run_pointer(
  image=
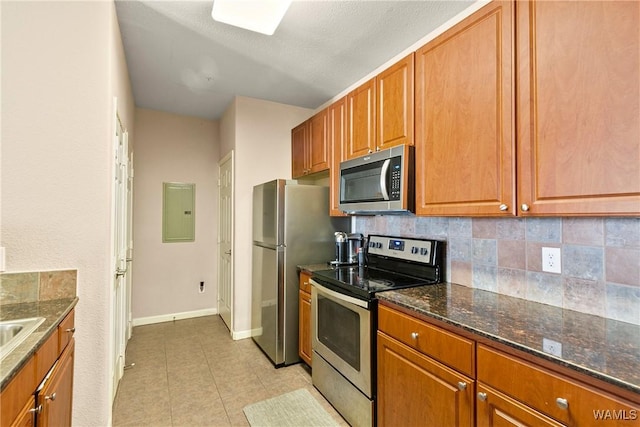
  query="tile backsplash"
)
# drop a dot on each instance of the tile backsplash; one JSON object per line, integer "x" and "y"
{"x": 600, "y": 258}
{"x": 37, "y": 286}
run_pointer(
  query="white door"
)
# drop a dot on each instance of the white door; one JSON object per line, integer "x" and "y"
{"x": 225, "y": 241}
{"x": 129, "y": 274}
{"x": 120, "y": 246}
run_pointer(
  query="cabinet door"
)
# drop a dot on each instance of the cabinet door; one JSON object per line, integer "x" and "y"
{"x": 299, "y": 162}
{"x": 318, "y": 143}
{"x": 361, "y": 119}
{"x": 26, "y": 417}
{"x": 414, "y": 390}
{"x": 304, "y": 333}
{"x": 578, "y": 107}
{"x": 337, "y": 137}
{"x": 495, "y": 409}
{"x": 465, "y": 118}
{"x": 17, "y": 392}
{"x": 56, "y": 395}
{"x": 394, "y": 100}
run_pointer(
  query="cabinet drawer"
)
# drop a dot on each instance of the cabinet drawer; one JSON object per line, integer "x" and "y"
{"x": 446, "y": 347}
{"x": 46, "y": 355}
{"x": 563, "y": 399}
{"x": 304, "y": 282}
{"x": 66, "y": 329}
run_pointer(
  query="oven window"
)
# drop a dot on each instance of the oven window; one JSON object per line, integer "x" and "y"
{"x": 339, "y": 330}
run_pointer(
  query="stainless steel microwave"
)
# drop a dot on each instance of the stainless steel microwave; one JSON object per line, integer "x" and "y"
{"x": 378, "y": 183}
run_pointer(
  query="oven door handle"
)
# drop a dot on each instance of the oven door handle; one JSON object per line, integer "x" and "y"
{"x": 339, "y": 296}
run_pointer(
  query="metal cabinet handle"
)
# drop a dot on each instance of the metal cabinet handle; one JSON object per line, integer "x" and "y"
{"x": 462, "y": 385}
{"x": 377, "y": 148}
{"x": 482, "y": 396}
{"x": 370, "y": 151}
{"x": 228, "y": 252}
{"x": 51, "y": 398}
{"x": 120, "y": 272}
{"x": 562, "y": 403}
{"x": 524, "y": 207}
{"x": 414, "y": 335}
{"x": 36, "y": 410}
{"x": 71, "y": 330}
{"x": 504, "y": 207}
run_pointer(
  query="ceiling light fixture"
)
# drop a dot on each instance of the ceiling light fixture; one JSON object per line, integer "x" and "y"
{"x": 262, "y": 16}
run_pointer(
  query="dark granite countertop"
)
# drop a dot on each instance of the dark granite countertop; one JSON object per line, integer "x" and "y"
{"x": 53, "y": 312}
{"x": 602, "y": 348}
{"x": 310, "y": 268}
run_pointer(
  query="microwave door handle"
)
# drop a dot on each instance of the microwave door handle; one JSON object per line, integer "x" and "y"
{"x": 383, "y": 179}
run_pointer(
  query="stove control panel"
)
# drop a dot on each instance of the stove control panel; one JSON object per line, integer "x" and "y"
{"x": 407, "y": 249}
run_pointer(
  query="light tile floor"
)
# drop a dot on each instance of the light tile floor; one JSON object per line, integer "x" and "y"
{"x": 191, "y": 373}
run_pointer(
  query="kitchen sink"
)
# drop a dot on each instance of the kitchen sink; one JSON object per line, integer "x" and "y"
{"x": 13, "y": 332}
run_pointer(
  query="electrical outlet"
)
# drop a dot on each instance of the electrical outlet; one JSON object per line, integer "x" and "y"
{"x": 201, "y": 287}
{"x": 552, "y": 347}
{"x": 551, "y": 261}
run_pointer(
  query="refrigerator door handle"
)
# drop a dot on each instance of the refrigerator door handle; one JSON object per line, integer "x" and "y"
{"x": 269, "y": 246}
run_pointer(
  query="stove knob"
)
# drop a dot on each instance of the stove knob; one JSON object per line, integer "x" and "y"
{"x": 378, "y": 245}
{"x": 423, "y": 251}
{"x": 414, "y": 250}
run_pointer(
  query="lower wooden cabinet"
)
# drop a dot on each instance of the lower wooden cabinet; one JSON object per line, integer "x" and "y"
{"x": 541, "y": 391}
{"x": 56, "y": 393}
{"x": 420, "y": 382}
{"x": 496, "y": 409}
{"x": 27, "y": 416}
{"x": 304, "y": 312}
{"x": 415, "y": 390}
{"x": 41, "y": 393}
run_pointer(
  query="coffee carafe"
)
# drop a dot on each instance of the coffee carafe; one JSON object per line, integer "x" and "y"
{"x": 347, "y": 245}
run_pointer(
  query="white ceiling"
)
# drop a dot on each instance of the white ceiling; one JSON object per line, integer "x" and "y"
{"x": 182, "y": 61}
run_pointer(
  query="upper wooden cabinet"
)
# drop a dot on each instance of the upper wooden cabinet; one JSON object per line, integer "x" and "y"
{"x": 310, "y": 146}
{"x": 578, "y": 108}
{"x": 380, "y": 112}
{"x": 465, "y": 117}
{"x": 318, "y": 142}
{"x": 394, "y": 104}
{"x": 299, "y": 162}
{"x": 577, "y": 127}
{"x": 337, "y": 113}
{"x": 361, "y": 119}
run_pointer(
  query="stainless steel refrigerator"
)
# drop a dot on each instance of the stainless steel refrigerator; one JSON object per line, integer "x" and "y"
{"x": 291, "y": 226}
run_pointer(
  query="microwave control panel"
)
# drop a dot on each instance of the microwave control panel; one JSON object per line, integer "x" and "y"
{"x": 396, "y": 178}
{"x": 418, "y": 250}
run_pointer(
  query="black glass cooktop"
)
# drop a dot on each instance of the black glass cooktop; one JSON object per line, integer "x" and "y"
{"x": 364, "y": 282}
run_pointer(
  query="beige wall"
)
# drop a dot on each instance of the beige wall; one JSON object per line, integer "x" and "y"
{"x": 262, "y": 147}
{"x": 62, "y": 63}
{"x": 171, "y": 148}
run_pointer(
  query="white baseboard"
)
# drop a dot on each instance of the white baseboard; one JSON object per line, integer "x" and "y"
{"x": 242, "y": 334}
{"x": 173, "y": 316}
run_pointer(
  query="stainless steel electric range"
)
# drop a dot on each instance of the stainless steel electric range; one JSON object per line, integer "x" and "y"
{"x": 344, "y": 321}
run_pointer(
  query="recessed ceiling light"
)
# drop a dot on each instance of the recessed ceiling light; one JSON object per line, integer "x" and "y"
{"x": 262, "y": 16}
